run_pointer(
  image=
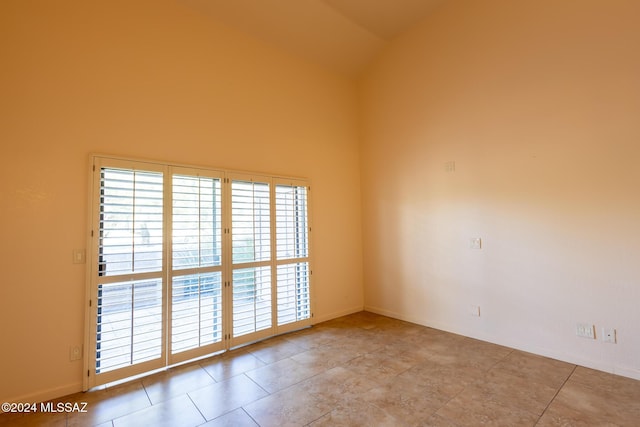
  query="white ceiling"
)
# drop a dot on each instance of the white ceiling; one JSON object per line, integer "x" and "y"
{"x": 341, "y": 35}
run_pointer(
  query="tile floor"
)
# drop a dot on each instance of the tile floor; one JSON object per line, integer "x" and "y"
{"x": 361, "y": 370}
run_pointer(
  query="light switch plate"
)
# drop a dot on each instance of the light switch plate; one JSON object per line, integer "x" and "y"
{"x": 475, "y": 243}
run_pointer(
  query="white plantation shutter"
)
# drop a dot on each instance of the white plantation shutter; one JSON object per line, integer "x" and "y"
{"x": 131, "y": 222}
{"x": 291, "y": 221}
{"x": 196, "y": 286}
{"x": 251, "y": 300}
{"x": 197, "y": 222}
{"x": 251, "y": 223}
{"x": 185, "y": 262}
{"x": 294, "y": 299}
{"x": 251, "y": 243}
{"x": 130, "y": 268}
{"x": 196, "y": 311}
{"x": 292, "y": 248}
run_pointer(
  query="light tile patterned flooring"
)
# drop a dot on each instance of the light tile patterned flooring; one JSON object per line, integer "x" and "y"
{"x": 361, "y": 370}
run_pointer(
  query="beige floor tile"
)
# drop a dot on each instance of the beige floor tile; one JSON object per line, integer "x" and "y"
{"x": 177, "y": 412}
{"x": 465, "y": 410}
{"x": 310, "y": 338}
{"x": 324, "y": 357}
{"x": 108, "y": 403}
{"x": 411, "y": 403}
{"x": 487, "y": 349}
{"x": 226, "y": 396}
{"x": 461, "y": 358}
{"x": 445, "y": 379}
{"x": 436, "y": 420}
{"x": 358, "y": 343}
{"x": 511, "y": 391}
{"x": 237, "y": 418}
{"x": 33, "y": 419}
{"x": 429, "y": 342}
{"x": 380, "y": 367}
{"x": 536, "y": 368}
{"x": 578, "y": 404}
{"x": 175, "y": 382}
{"x": 620, "y": 386}
{"x": 284, "y": 373}
{"x": 355, "y": 412}
{"x": 274, "y": 349}
{"x": 361, "y": 369}
{"x": 335, "y": 384}
{"x": 227, "y": 365}
{"x": 288, "y": 408}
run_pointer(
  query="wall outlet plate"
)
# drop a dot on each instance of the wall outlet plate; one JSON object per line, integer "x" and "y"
{"x": 586, "y": 330}
{"x": 609, "y": 335}
{"x": 475, "y": 243}
{"x": 75, "y": 353}
{"x": 474, "y": 310}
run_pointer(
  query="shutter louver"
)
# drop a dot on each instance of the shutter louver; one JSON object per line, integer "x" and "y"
{"x": 292, "y": 248}
{"x": 197, "y": 222}
{"x": 129, "y": 311}
{"x": 251, "y": 300}
{"x": 196, "y": 311}
{"x": 250, "y": 221}
{"x": 130, "y": 222}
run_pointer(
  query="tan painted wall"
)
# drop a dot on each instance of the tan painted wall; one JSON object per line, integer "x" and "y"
{"x": 538, "y": 104}
{"x": 148, "y": 79}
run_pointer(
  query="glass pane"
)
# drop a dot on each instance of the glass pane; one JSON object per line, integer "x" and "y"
{"x": 197, "y": 222}
{"x": 293, "y": 293}
{"x": 251, "y": 300}
{"x": 251, "y": 228}
{"x": 129, "y": 327}
{"x": 130, "y": 222}
{"x": 196, "y": 317}
{"x": 291, "y": 222}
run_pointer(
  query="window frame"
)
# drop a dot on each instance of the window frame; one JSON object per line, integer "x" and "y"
{"x": 226, "y": 268}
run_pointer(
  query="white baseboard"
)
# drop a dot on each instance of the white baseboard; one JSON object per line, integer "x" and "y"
{"x": 45, "y": 395}
{"x": 334, "y": 315}
{"x": 522, "y": 346}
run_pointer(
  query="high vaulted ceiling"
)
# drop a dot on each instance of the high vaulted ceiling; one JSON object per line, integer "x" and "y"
{"x": 342, "y": 35}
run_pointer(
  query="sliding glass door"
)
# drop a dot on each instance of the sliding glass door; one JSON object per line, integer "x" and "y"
{"x": 187, "y": 262}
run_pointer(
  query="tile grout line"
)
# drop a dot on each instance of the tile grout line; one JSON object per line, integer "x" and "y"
{"x": 197, "y": 409}
{"x": 556, "y": 394}
{"x": 249, "y": 415}
{"x": 466, "y": 386}
{"x": 253, "y": 381}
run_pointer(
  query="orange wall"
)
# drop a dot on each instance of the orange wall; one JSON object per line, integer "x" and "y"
{"x": 538, "y": 104}
{"x": 148, "y": 79}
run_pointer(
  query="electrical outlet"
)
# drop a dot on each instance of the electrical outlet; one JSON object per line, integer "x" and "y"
{"x": 609, "y": 335}
{"x": 79, "y": 256}
{"x": 585, "y": 330}
{"x": 474, "y": 310}
{"x": 475, "y": 243}
{"x": 74, "y": 353}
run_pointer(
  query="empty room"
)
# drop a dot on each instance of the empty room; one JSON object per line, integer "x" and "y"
{"x": 319, "y": 212}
